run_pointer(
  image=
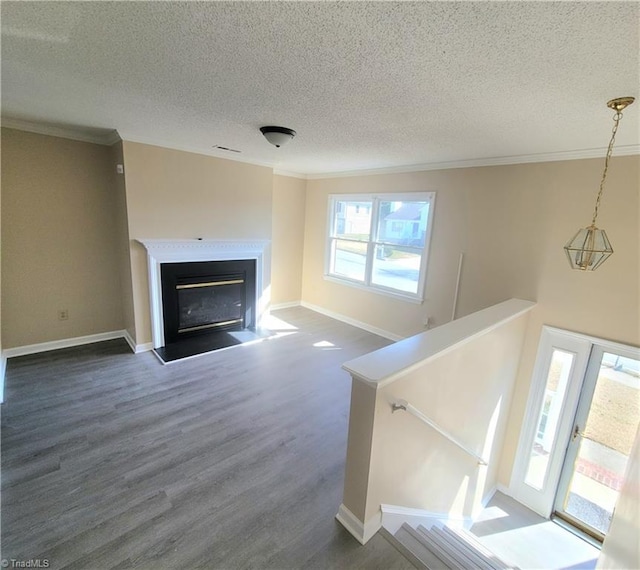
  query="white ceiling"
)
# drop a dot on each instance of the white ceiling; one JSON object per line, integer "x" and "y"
{"x": 366, "y": 85}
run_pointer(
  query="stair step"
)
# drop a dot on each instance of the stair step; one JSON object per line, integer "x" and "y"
{"x": 444, "y": 548}
{"x": 480, "y": 549}
{"x": 440, "y": 550}
{"x": 421, "y": 555}
{"x": 466, "y": 555}
{"x": 459, "y": 552}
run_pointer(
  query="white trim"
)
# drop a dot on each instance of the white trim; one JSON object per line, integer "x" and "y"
{"x": 541, "y": 499}
{"x": 626, "y": 150}
{"x": 352, "y": 322}
{"x": 63, "y": 343}
{"x": 608, "y": 345}
{"x": 299, "y": 175}
{"x": 3, "y": 369}
{"x": 373, "y": 289}
{"x": 361, "y": 532}
{"x": 500, "y": 488}
{"x": 288, "y": 305}
{"x": 394, "y": 516}
{"x": 367, "y": 283}
{"x": 107, "y": 138}
{"x": 136, "y": 348}
{"x": 161, "y": 251}
{"x": 384, "y": 366}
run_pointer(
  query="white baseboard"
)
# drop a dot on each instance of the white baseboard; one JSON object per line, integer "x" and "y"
{"x": 279, "y": 306}
{"x": 3, "y": 368}
{"x": 350, "y": 321}
{"x": 504, "y": 490}
{"x": 136, "y": 348}
{"x": 394, "y": 516}
{"x": 63, "y": 343}
{"x": 361, "y": 532}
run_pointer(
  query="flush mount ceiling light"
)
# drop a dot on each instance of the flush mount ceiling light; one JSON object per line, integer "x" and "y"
{"x": 277, "y": 136}
{"x": 590, "y": 247}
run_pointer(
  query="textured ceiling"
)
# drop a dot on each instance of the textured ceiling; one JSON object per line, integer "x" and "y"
{"x": 365, "y": 84}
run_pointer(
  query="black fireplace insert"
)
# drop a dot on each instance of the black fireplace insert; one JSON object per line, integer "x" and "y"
{"x": 203, "y": 297}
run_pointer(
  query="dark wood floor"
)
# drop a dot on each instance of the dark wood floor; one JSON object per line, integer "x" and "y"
{"x": 230, "y": 460}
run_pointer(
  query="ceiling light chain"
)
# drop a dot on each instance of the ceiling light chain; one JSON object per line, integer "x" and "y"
{"x": 616, "y": 120}
{"x": 590, "y": 247}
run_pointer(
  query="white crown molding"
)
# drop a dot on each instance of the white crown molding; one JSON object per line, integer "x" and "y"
{"x": 290, "y": 174}
{"x": 627, "y": 150}
{"x": 107, "y": 139}
{"x": 114, "y": 136}
{"x": 192, "y": 149}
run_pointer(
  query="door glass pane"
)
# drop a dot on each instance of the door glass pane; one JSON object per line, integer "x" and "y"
{"x": 547, "y": 426}
{"x": 348, "y": 259}
{"x": 606, "y": 443}
{"x": 397, "y": 267}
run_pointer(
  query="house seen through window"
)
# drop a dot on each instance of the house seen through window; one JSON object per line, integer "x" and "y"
{"x": 381, "y": 241}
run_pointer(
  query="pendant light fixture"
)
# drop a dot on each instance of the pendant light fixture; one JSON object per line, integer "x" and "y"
{"x": 590, "y": 247}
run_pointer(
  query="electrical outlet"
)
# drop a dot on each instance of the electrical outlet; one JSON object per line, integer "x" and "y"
{"x": 428, "y": 322}
{"x": 63, "y": 314}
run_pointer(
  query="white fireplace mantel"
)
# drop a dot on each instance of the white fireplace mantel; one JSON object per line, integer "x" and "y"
{"x": 161, "y": 251}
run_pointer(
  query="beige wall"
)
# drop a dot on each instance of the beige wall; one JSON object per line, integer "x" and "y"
{"x": 465, "y": 388}
{"x": 122, "y": 240}
{"x": 287, "y": 239}
{"x": 59, "y": 219}
{"x": 468, "y": 203}
{"x": 175, "y": 194}
{"x": 605, "y": 303}
{"x": 512, "y": 223}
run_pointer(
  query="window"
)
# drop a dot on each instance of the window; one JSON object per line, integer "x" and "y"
{"x": 380, "y": 242}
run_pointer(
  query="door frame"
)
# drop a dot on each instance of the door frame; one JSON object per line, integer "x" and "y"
{"x": 543, "y": 500}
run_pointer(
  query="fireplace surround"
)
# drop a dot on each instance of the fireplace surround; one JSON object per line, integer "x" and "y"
{"x": 162, "y": 252}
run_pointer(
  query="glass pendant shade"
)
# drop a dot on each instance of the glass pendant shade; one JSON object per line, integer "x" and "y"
{"x": 588, "y": 249}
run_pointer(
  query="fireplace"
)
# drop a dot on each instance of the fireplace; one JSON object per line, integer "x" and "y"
{"x": 198, "y": 254}
{"x": 206, "y": 297}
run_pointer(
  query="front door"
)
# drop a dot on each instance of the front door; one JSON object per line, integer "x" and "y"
{"x": 581, "y": 422}
{"x": 604, "y": 429}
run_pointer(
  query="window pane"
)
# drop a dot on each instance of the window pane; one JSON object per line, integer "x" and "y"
{"x": 403, "y": 223}
{"x": 557, "y": 379}
{"x": 396, "y": 267}
{"x": 352, "y": 219}
{"x": 348, "y": 259}
{"x": 605, "y": 447}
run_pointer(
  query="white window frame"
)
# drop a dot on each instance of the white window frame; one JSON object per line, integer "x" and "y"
{"x": 375, "y": 200}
